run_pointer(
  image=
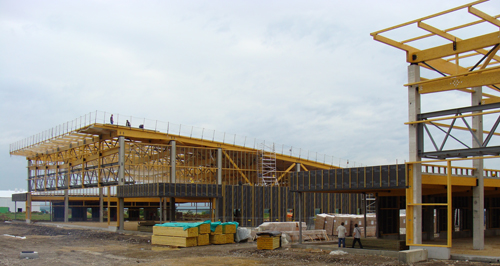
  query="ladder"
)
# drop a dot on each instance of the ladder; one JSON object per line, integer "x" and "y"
{"x": 267, "y": 165}
{"x": 370, "y": 203}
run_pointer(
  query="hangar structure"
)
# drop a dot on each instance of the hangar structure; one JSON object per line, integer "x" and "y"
{"x": 101, "y": 163}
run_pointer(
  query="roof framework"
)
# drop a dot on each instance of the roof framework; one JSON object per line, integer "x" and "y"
{"x": 464, "y": 54}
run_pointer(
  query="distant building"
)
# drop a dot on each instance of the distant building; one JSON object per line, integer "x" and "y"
{"x": 6, "y": 201}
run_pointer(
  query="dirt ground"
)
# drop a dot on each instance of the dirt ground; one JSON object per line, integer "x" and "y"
{"x": 62, "y": 246}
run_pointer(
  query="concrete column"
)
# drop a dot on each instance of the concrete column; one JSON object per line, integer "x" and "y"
{"x": 478, "y": 191}
{"x": 173, "y": 161}
{"x": 164, "y": 211}
{"x": 28, "y": 207}
{"x": 364, "y": 213}
{"x": 66, "y": 206}
{"x": 413, "y": 112}
{"x": 161, "y": 210}
{"x": 219, "y": 166}
{"x": 101, "y": 205}
{"x": 301, "y": 202}
{"x": 121, "y": 181}
{"x": 172, "y": 209}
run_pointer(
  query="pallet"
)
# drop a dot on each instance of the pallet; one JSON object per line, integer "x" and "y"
{"x": 203, "y": 240}
{"x": 229, "y": 229}
{"x": 268, "y": 242}
{"x": 174, "y": 241}
{"x": 175, "y": 231}
{"x": 218, "y": 239}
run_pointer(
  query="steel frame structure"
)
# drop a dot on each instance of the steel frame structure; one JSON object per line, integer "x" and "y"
{"x": 445, "y": 59}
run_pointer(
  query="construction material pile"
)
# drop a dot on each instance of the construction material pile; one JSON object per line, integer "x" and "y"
{"x": 194, "y": 234}
{"x": 290, "y": 231}
{"x": 330, "y": 222}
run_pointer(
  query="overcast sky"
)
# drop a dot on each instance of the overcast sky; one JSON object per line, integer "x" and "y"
{"x": 301, "y": 73}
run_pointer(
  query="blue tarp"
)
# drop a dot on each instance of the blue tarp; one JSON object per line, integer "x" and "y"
{"x": 185, "y": 226}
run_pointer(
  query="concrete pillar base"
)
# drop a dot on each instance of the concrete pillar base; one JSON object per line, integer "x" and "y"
{"x": 440, "y": 253}
{"x": 412, "y": 256}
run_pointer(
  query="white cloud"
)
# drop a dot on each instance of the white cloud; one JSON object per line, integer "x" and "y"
{"x": 303, "y": 74}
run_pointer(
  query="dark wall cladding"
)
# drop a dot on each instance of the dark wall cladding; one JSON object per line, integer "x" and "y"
{"x": 359, "y": 178}
{"x": 251, "y": 205}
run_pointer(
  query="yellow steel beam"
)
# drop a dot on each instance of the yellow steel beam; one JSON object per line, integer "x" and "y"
{"x": 452, "y": 38}
{"x": 460, "y": 47}
{"x": 490, "y": 100}
{"x": 428, "y": 17}
{"x": 236, "y": 166}
{"x": 460, "y": 81}
{"x": 304, "y": 167}
{"x": 482, "y": 15}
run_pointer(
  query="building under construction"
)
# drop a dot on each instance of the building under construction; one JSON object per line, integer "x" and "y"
{"x": 102, "y": 164}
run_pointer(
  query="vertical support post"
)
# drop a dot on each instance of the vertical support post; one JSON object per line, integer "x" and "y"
{"x": 415, "y": 141}
{"x": 173, "y": 160}
{"x": 300, "y": 216}
{"x": 478, "y": 191}
{"x": 66, "y": 205}
{"x": 364, "y": 212}
{"x": 448, "y": 201}
{"x": 301, "y": 203}
{"x": 109, "y": 206}
{"x": 29, "y": 175}
{"x": 173, "y": 164}
{"x": 28, "y": 207}
{"x": 164, "y": 211}
{"x": 121, "y": 181}
{"x": 101, "y": 205}
{"x": 218, "y": 201}
{"x": 172, "y": 209}
{"x": 219, "y": 166}
{"x": 161, "y": 210}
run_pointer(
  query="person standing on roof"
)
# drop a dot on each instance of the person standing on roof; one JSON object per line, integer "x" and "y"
{"x": 357, "y": 236}
{"x": 341, "y": 234}
{"x": 111, "y": 119}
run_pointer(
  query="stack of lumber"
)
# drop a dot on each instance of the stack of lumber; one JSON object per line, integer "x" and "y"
{"x": 222, "y": 233}
{"x": 194, "y": 234}
{"x": 175, "y": 236}
{"x": 268, "y": 240}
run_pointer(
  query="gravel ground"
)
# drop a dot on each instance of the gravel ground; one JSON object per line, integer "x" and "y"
{"x": 62, "y": 246}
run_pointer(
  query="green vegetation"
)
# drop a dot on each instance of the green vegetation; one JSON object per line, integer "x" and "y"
{"x": 35, "y": 216}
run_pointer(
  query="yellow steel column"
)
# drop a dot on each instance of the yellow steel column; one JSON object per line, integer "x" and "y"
{"x": 448, "y": 192}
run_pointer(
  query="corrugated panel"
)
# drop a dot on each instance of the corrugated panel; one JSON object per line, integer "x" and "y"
{"x": 312, "y": 181}
{"x": 393, "y": 176}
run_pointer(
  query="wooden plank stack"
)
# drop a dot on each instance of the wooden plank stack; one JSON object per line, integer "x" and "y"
{"x": 195, "y": 236}
{"x": 175, "y": 236}
{"x": 269, "y": 240}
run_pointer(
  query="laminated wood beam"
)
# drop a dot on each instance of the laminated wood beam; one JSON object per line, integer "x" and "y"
{"x": 454, "y": 48}
{"x": 236, "y": 166}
